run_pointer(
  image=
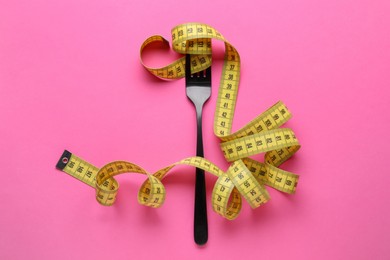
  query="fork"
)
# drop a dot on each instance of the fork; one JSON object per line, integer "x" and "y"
{"x": 198, "y": 90}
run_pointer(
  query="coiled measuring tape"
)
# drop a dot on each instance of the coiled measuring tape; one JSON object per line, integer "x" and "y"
{"x": 245, "y": 177}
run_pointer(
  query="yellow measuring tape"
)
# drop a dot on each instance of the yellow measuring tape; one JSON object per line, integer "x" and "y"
{"x": 245, "y": 177}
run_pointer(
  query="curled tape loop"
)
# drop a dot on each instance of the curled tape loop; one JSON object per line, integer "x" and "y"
{"x": 246, "y": 178}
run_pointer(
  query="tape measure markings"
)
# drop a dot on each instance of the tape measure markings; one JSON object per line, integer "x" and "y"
{"x": 271, "y": 176}
{"x": 247, "y": 185}
{"x": 77, "y": 168}
{"x": 223, "y": 190}
{"x": 262, "y": 122}
{"x": 258, "y": 143}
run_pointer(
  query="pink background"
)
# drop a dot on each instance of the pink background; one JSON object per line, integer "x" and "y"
{"x": 70, "y": 78}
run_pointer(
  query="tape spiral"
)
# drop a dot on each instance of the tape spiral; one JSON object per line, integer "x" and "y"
{"x": 245, "y": 177}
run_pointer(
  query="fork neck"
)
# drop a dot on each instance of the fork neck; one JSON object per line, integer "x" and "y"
{"x": 199, "y": 142}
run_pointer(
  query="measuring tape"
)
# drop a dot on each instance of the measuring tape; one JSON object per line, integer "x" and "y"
{"x": 245, "y": 177}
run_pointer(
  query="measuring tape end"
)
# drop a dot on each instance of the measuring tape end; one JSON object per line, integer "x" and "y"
{"x": 64, "y": 159}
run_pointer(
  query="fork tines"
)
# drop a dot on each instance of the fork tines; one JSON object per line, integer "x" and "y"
{"x": 200, "y": 78}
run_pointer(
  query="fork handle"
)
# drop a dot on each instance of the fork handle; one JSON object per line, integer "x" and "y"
{"x": 200, "y": 212}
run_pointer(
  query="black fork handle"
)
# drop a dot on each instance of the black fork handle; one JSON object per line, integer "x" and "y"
{"x": 200, "y": 212}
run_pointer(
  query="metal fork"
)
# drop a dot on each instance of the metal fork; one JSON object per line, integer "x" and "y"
{"x": 198, "y": 90}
